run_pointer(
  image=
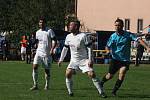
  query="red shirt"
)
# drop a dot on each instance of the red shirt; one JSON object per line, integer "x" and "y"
{"x": 23, "y": 43}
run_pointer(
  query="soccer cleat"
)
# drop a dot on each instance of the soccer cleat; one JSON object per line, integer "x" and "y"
{"x": 114, "y": 91}
{"x": 71, "y": 94}
{"x": 34, "y": 88}
{"x": 46, "y": 88}
{"x": 103, "y": 95}
{"x": 114, "y": 94}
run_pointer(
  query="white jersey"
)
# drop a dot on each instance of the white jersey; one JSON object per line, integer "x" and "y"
{"x": 44, "y": 41}
{"x": 77, "y": 44}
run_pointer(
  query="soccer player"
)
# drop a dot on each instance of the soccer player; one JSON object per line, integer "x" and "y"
{"x": 81, "y": 57}
{"x": 119, "y": 45}
{"x": 43, "y": 53}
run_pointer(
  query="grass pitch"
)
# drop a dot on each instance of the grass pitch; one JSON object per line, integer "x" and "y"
{"x": 16, "y": 79}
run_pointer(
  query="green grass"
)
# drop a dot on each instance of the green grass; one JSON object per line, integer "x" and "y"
{"x": 16, "y": 79}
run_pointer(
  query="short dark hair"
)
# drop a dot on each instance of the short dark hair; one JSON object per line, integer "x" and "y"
{"x": 43, "y": 18}
{"x": 77, "y": 22}
{"x": 120, "y": 21}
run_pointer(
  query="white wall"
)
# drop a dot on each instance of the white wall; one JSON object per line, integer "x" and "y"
{"x": 101, "y": 14}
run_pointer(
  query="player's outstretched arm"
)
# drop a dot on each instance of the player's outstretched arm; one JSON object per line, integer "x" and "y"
{"x": 90, "y": 56}
{"x": 63, "y": 55}
{"x": 144, "y": 44}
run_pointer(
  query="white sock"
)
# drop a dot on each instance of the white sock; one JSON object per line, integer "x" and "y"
{"x": 96, "y": 83}
{"x": 47, "y": 79}
{"x": 69, "y": 85}
{"x": 22, "y": 57}
{"x": 35, "y": 77}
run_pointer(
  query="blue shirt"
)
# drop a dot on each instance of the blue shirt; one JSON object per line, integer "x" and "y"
{"x": 120, "y": 45}
{"x": 148, "y": 30}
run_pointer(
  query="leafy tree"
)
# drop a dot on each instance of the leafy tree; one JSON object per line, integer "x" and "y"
{"x": 21, "y": 16}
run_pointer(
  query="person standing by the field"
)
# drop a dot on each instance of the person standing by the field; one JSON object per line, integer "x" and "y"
{"x": 139, "y": 54}
{"x": 43, "y": 53}
{"x": 23, "y": 43}
{"x": 81, "y": 57}
{"x": 33, "y": 45}
{"x": 119, "y": 45}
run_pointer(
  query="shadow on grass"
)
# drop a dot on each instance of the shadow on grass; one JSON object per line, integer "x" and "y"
{"x": 144, "y": 96}
{"x": 132, "y": 94}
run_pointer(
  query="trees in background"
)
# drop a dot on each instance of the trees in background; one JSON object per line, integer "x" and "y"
{"x": 21, "y": 16}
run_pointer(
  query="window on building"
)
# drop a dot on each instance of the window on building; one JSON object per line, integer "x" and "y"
{"x": 127, "y": 24}
{"x": 139, "y": 25}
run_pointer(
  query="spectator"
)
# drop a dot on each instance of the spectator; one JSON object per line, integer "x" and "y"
{"x": 23, "y": 47}
{"x": 139, "y": 54}
{"x": 3, "y": 47}
{"x": 28, "y": 51}
{"x": 33, "y": 43}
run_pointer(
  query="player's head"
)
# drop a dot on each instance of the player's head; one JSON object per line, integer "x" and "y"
{"x": 42, "y": 23}
{"x": 119, "y": 25}
{"x": 74, "y": 26}
{"x": 24, "y": 37}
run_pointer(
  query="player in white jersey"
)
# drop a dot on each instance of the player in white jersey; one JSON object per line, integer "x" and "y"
{"x": 44, "y": 50}
{"x": 81, "y": 57}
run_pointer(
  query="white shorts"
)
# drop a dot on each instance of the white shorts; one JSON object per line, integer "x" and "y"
{"x": 44, "y": 60}
{"x": 80, "y": 65}
{"x": 23, "y": 50}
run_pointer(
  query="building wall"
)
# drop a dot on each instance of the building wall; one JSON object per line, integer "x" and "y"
{"x": 101, "y": 14}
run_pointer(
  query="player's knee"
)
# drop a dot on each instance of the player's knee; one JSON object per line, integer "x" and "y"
{"x": 68, "y": 73}
{"x": 109, "y": 76}
{"x": 47, "y": 75}
{"x": 35, "y": 67}
{"x": 121, "y": 76}
{"x": 91, "y": 74}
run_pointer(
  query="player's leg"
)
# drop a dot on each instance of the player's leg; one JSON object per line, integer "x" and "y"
{"x": 122, "y": 72}
{"x": 96, "y": 83}
{"x": 35, "y": 77}
{"x": 47, "y": 79}
{"x": 113, "y": 68}
{"x": 47, "y": 65}
{"x": 35, "y": 72}
{"x": 84, "y": 66}
{"x": 22, "y": 53}
{"x": 69, "y": 81}
{"x": 105, "y": 78}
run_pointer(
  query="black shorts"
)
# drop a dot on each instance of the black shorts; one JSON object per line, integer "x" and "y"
{"x": 115, "y": 65}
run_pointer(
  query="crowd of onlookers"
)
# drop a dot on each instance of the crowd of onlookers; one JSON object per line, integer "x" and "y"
{"x": 25, "y": 49}
{"x": 28, "y": 48}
